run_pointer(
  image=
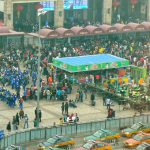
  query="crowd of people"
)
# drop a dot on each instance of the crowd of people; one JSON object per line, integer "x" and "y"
{"x": 18, "y": 68}
{"x": 22, "y": 117}
{"x": 14, "y": 125}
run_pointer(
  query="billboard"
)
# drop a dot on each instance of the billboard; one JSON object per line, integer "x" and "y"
{"x": 68, "y": 4}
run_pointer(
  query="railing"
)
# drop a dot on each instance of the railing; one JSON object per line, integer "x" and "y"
{"x": 24, "y": 136}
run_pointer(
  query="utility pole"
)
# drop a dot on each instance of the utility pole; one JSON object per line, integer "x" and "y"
{"x": 38, "y": 78}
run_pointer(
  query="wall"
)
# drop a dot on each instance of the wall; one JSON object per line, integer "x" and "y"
{"x": 29, "y": 135}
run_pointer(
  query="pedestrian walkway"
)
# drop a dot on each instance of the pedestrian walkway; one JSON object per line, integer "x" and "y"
{"x": 51, "y": 111}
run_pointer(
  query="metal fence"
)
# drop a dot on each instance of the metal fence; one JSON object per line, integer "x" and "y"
{"x": 44, "y": 133}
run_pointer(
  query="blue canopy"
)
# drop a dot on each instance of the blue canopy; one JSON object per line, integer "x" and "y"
{"x": 90, "y": 62}
{"x": 90, "y": 59}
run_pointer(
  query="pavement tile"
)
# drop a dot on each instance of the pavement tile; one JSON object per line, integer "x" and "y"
{"x": 51, "y": 111}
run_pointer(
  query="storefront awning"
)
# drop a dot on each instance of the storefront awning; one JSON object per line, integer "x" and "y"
{"x": 80, "y": 31}
{"x": 94, "y": 29}
{"x": 63, "y": 32}
{"x": 122, "y": 27}
{"x": 48, "y": 33}
{"x": 136, "y": 26}
{"x": 105, "y": 27}
{"x": 4, "y": 31}
{"x": 146, "y": 25}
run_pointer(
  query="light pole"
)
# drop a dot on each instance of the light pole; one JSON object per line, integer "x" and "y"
{"x": 40, "y": 12}
{"x": 38, "y": 78}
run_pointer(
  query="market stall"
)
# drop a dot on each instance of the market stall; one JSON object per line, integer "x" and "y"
{"x": 139, "y": 74}
{"x": 109, "y": 75}
{"x": 104, "y": 70}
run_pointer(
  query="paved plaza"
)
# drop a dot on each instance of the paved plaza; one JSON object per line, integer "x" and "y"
{"x": 51, "y": 111}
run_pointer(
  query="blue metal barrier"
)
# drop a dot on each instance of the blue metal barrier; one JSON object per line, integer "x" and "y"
{"x": 47, "y": 132}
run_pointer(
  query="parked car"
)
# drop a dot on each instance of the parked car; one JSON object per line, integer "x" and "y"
{"x": 137, "y": 140}
{"x": 135, "y": 128}
{"x": 56, "y": 148}
{"x": 143, "y": 146}
{"x": 103, "y": 135}
{"x": 56, "y": 141}
{"x": 95, "y": 145}
{"x": 13, "y": 147}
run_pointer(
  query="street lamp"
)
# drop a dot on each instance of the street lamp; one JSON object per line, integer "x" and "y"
{"x": 40, "y": 12}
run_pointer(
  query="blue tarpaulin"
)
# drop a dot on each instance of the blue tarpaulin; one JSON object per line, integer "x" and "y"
{"x": 90, "y": 62}
{"x": 90, "y": 59}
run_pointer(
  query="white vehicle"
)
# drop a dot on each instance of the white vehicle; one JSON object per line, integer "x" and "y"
{"x": 13, "y": 147}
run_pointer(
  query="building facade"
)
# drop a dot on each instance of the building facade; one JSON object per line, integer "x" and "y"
{"x": 99, "y": 11}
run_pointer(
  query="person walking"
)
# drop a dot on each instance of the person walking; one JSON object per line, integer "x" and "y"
{"x": 14, "y": 123}
{"x": 26, "y": 121}
{"x": 62, "y": 107}
{"x": 17, "y": 119}
{"x": 40, "y": 115}
{"x": 35, "y": 113}
{"x": 35, "y": 122}
{"x": 104, "y": 101}
{"x": 48, "y": 94}
{"x": 8, "y": 127}
{"x": 81, "y": 96}
{"x": 77, "y": 96}
{"x": 66, "y": 108}
{"x": 92, "y": 99}
{"x": 21, "y": 103}
{"x": 51, "y": 94}
{"x": 21, "y": 114}
{"x": 108, "y": 102}
{"x": 85, "y": 91}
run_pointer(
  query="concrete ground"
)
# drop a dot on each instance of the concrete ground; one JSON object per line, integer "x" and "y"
{"x": 51, "y": 111}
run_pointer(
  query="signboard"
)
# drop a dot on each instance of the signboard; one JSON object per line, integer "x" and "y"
{"x": 47, "y": 5}
{"x": 68, "y": 4}
{"x": 75, "y": 4}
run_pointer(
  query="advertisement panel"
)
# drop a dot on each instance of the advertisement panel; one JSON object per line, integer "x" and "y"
{"x": 68, "y": 4}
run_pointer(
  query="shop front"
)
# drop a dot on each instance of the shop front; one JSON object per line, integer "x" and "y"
{"x": 129, "y": 11}
{"x": 103, "y": 71}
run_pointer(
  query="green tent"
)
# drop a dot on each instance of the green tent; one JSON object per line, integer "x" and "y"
{"x": 90, "y": 63}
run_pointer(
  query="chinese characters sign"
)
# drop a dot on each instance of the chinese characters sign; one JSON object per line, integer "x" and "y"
{"x": 68, "y": 4}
